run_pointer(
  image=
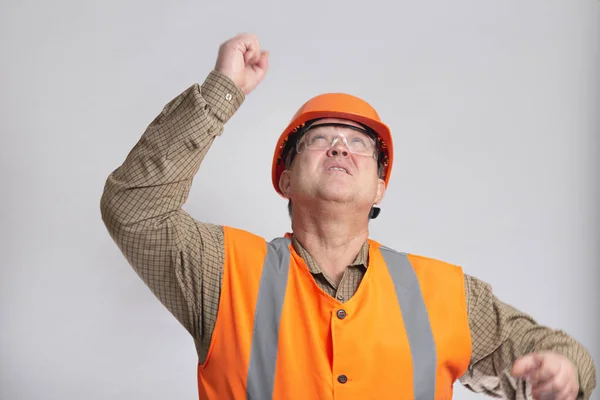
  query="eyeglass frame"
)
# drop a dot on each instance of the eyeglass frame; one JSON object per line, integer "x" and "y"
{"x": 373, "y": 141}
{"x": 288, "y": 155}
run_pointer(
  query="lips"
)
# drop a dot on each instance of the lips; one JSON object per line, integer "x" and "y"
{"x": 337, "y": 167}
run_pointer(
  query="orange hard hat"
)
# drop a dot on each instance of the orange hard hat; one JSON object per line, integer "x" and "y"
{"x": 336, "y": 105}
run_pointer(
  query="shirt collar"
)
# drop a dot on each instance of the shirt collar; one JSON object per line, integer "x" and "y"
{"x": 362, "y": 258}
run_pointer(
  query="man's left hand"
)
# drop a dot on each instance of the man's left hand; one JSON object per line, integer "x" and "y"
{"x": 552, "y": 375}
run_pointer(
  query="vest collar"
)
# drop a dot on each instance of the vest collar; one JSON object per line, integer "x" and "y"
{"x": 362, "y": 258}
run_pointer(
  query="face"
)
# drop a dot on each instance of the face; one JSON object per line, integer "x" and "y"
{"x": 334, "y": 173}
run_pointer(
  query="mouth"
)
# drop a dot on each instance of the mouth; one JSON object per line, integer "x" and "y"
{"x": 335, "y": 168}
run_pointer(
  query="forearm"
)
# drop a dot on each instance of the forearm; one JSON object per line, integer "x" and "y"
{"x": 157, "y": 174}
{"x": 501, "y": 334}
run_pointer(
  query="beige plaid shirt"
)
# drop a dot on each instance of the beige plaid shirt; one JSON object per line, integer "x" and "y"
{"x": 181, "y": 259}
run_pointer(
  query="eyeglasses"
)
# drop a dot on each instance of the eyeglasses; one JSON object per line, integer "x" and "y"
{"x": 357, "y": 141}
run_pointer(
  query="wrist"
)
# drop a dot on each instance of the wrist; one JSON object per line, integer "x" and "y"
{"x": 222, "y": 96}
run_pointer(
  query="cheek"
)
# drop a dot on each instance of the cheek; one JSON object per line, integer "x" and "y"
{"x": 370, "y": 177}
{"x": 305, "y": 165}
{"x": 368, "y": 168}
{"x": 299, "y": 174}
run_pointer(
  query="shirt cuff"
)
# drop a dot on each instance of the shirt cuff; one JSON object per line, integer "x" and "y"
{"x": 222, "y": 96}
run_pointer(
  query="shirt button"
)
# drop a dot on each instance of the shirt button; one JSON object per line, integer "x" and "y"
{"x": 228, "y": 97}
{"x": 340, "y": 297}
{"x": 341, "y": 314}
{"x": 342, "y": 379}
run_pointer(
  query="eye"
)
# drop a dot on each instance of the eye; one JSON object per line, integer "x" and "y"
{"x": 318, "y": 139}
{"x": 358, "y": 141}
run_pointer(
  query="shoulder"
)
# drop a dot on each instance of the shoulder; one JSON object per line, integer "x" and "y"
{"x": 236, "y": 239}
{"x": 238, "y": 233}
{"x": 418, "y": 260}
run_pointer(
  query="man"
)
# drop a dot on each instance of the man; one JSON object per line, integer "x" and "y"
{"x": 324, "y": 312}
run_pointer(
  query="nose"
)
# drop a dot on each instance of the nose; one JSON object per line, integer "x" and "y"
{"x": 338, "y": 149}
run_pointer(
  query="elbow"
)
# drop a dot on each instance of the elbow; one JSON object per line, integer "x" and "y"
{"x": 108, "y": 208}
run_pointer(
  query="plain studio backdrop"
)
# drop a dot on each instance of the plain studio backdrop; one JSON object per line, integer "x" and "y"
{"x": 494, "y": 106}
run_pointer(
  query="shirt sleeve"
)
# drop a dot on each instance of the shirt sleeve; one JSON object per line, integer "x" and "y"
{"x": 179, "y": 258}
{"x": 500, "y": 334}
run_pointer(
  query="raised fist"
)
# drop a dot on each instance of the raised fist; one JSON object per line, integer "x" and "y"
{"x": 241, "y": 59}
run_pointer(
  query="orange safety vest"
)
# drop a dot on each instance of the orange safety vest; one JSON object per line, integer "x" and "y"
{"x": 403, "y": 335}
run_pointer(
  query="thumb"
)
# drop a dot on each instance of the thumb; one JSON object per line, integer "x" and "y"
{"x": 526, "y": 365}
{"x": 263, "y": 61}
{"x": 260, "y": 68}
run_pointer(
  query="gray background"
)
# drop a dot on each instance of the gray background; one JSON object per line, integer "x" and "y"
{"x": 494, "y": 109}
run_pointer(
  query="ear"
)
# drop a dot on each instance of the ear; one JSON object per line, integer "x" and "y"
{"x": 380, "y": 191}
{"x": 285, "y": 183}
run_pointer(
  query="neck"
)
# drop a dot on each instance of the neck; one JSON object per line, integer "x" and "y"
{"x": 333, "y": 235}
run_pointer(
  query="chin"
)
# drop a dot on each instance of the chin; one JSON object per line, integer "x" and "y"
{"x": 337, "y": 194}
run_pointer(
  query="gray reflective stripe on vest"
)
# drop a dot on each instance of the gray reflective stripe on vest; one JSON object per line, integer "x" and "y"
{"x": 271, "y": 294}
{"x": 416, "y": 322}
{"x": 265, "y": 334}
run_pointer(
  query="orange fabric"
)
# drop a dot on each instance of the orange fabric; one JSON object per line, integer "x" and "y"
{"x": 442, "y": 286}
{"x": 369, "y": 346}
{"x": 335, "y": 105}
